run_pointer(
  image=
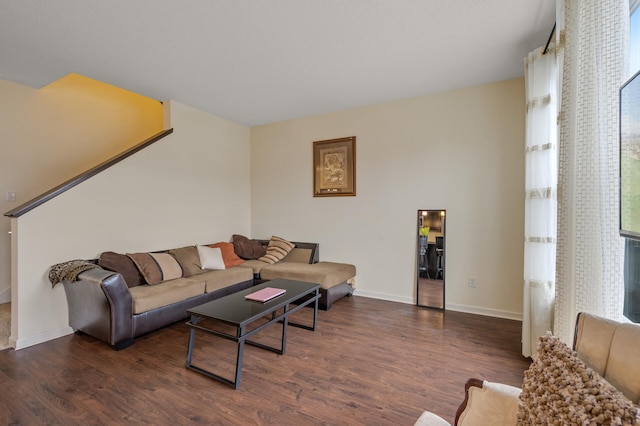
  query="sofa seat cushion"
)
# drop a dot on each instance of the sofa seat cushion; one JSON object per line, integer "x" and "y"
{"x": 327, "y": 274}
{"x": 217, "y": 279}
{"x": 254, "y": 265}
{"x": 148, "y": 297}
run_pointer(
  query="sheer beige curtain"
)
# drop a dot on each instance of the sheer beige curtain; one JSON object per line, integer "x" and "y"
{"x": 541, "y": 171}
{"x": 593, "y": 44}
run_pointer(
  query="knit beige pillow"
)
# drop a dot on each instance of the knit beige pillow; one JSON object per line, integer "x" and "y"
{"x": 277, "y": 249}
{"x": 561, "y": 389}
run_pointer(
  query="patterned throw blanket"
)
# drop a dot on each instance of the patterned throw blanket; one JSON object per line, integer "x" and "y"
{"x": 69, "y": 271}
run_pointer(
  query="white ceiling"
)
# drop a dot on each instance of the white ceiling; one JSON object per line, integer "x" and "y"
{"x": 258, "y": 61}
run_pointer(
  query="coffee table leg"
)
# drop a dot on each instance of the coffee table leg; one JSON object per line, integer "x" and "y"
{"x": 315, "y": 310}
{"x": 285, "y": 322}
{"x": 240, "y": 335}
{"x": 192, "y": 338}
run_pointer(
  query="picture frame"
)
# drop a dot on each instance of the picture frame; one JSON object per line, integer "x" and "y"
{"x": 334, "y": 167}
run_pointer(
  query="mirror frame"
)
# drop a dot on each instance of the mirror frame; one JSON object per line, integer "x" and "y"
{"x": 442, "y": 229}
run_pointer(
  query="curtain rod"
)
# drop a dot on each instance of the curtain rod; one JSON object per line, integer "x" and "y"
{"x": 546, "y": 48}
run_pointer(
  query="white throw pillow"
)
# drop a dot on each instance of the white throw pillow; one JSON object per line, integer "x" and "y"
{"x": 210, "y": 257}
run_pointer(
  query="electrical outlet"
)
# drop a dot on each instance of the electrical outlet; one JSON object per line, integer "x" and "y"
{"x": 472, "y": 282}
{"x": 11, "y": 196}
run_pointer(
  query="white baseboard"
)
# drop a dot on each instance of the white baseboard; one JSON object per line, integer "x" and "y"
{"x": 40, "y": 338}
{"x": 517, "y": 316}
{"x": 5, "y": 295}
{"x": 384, "y": 296}
{"x": 449, "y": 307}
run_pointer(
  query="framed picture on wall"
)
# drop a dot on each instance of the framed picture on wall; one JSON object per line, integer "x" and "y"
{"x": 334, "y": 167}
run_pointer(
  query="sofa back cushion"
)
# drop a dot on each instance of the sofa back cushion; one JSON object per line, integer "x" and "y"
{"x": 623, "y": 367}
{"x": 123, "y": 265}
{"x": 612, "y": 349}
{"x": 299, "y": 255}
{"x": 188, "y": 259}
{"x": 592, "y": 340}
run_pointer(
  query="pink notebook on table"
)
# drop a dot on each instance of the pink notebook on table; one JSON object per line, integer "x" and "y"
{"x": 265, "y": 294}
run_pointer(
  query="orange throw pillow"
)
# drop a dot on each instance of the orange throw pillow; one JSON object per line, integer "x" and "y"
{"x": 229, "y": 256}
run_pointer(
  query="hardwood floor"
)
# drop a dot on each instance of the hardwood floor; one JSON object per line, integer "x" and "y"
{"x": 370, "y": 362}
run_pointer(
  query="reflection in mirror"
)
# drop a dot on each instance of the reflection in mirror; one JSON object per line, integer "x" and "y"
{"x": 431, "y": 258}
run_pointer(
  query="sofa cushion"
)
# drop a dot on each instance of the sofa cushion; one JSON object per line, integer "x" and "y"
{"x": 623, "y": 369}
{"x": 156, "y": 267}
{"x": 246, "y": 248}
{"x": 255, "y": 265}
{"x": 215, "y": 280}
{"x": 210, "y": 258}
{"x": 229, "y": 256}
{"x": 559, "y": 388}
{"x": 277, "y": 249}
{"x": 327, "y": 274}
{"x": 188, "y": 258}
{"x": 593, "y": 340}
{"x": 123, "y": 265}
{"x": 148, "y": 297}
{"x": 300, "y": 255}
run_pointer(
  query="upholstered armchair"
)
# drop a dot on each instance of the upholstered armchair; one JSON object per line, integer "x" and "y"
{"x": 608, "y": 354}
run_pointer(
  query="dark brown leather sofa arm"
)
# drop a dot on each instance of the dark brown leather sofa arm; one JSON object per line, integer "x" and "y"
{"x": 100, "y": 305}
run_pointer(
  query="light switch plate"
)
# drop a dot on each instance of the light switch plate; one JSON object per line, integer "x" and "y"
{"x": 11, "y": 196}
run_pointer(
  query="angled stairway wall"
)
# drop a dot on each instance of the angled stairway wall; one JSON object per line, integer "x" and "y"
{"x": 190, "y": 187}
{"x": 56, "y": 132}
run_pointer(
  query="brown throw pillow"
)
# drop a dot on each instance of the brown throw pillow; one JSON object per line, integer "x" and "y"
{"x": 246, "y": 248}
{"x": 147, "y": 266}
{"x": 123, "y": 265}
{"x": 559, "y": 388}
{"x": 228, "y": 254}
{"x": 188, "y": 258}
{"x": 156, "y": 267}
{"x": 277, "y": 249}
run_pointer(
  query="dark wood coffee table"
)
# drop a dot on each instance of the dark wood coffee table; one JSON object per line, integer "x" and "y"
{"x": 238, "y": 312}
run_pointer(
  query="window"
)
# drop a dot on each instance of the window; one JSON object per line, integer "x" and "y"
{"x": 634, "y": 39}
{"x": 632, "y": 247}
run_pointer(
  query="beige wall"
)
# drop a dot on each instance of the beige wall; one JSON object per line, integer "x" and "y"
{"x": 59, "y": 131}
{"x": 462, "y": 151}
{"x": 190, "y": 187}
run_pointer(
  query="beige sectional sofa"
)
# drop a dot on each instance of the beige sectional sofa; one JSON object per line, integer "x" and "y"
{"x": 127, "y": 295}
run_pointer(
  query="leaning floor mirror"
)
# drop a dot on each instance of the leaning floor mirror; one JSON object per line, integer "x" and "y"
{"x": 430, "y": 249}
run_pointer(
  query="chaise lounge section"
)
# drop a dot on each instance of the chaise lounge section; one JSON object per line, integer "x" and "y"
{"x": 336, "y": 280}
